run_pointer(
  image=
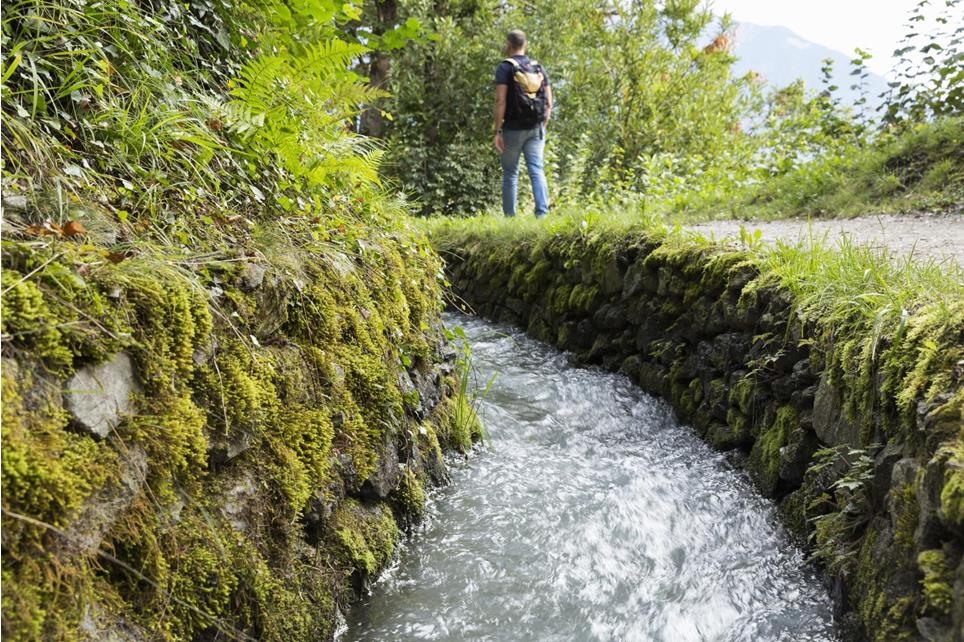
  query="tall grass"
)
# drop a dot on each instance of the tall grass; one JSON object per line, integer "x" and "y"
{"x": 849, "y": 280}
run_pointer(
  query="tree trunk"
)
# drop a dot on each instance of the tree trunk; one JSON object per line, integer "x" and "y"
{"x": 386, "y": 12}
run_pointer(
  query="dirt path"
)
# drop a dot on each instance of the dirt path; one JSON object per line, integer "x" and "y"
{"x": 937, "y": 236}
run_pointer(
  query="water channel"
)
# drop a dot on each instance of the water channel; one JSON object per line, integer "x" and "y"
{"x": 590, "y": 514}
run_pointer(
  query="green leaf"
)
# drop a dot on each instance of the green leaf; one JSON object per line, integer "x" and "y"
{"x": 351, "y": 12}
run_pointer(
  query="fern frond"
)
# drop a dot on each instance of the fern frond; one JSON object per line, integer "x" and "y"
{"x": 257, "y": 83}
{"x": 330, "y": 59}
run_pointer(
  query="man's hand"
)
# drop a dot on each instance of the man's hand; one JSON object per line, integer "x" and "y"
{"x": 498, "y": 113}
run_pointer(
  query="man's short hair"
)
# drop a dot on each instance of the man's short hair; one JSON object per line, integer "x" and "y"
{"x": 516, "y": 39}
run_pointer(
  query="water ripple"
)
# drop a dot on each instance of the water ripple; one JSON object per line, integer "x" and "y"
{"x": 591, "y": 515}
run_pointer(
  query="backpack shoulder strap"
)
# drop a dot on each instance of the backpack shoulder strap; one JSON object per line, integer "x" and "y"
{"x": 513, "y": 62}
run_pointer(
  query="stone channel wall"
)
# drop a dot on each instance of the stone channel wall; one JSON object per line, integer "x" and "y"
{"x": 857, "y": 438}
{"x": 228, "y": 452}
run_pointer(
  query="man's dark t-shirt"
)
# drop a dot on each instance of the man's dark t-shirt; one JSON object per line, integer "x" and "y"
{"x": 503, "y": 76}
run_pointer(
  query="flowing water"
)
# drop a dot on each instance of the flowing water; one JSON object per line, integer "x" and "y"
{"x": 591, "y": 514}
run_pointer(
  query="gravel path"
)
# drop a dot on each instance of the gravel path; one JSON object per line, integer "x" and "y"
{"x": 937, "y": 236}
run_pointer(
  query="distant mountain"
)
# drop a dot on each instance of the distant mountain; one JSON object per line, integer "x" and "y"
{"x": 782, "y": 56}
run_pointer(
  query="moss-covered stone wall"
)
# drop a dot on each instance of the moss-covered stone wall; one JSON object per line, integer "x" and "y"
{"x": 206, "y": 448}
{"x": 857, "y": 437}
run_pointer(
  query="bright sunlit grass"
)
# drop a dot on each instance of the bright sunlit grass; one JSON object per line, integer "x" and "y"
{"x": 844, "y": 281}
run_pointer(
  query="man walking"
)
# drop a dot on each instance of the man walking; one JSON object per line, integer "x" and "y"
{"x": 523, "y": 105}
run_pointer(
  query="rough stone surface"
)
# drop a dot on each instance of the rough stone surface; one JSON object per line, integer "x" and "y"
{"x": 829, "y": 422}
{"x": 252, "y": 275}
{"x": 795, "y": 456}
{"x": 85, "y": 532}
{"x": 226, "y": 537}
{"x": 99, "y": 626}
{"x": 385, "y": 478}
{"x": 16, "y": 202}
{"x": 237, "y": 501}
{"x": 99, "y": 396}
{"x": 410, "y": 393}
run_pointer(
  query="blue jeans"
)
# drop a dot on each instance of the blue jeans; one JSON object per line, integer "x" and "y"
{"x": 531, "y": 143}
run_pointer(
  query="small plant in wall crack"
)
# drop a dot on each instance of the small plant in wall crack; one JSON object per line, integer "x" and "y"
{"x": 844, "y": 508}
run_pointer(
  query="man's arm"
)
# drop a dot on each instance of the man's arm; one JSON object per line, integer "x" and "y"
{"x": 548, "y": 103}
{"x": 498, "y": 113}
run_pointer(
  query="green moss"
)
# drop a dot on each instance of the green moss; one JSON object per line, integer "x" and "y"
{"x": 583, "y": 298}
{"x": 539, "y": 330}
{"x": 24, "y": 599}
{"x": 409, "y": 497}
{"x": 48, "y": 474}
{"x": 27, "y": 317}
{"x": 236, "y": 385}
{"x": 47, "y": 471}
{"x": 719, "y": 268}
{"x": 296, "y": 604}
{"x": 560, "y": 298}
{"x": 518, "y": 277}
{"x": 366, "y": 535}
{"x": 906, "y": 513}
{"x": 562, "y": 336}
{"x": 534, "y": 277}
{"x": 897, "y": 624}
{"x": 952, "y": 496}
{"x": 670, "y": 308}
{"x": 937, "y": 583}
{"x": 880, "y": 616}
{"x": 887, "y": 614}
{"x": 173, "y": 321}
{"x": 952, "y": 492}
{"x": 376, "y": 394}
{"x": 736, "y": 431}
{"x": 200, "y": 580}
{"x": 793, "y": 512}
{"x": 749, "y": 299}
{"x": 741, "y": 395}
{"x": 411, "y": 399}
{"x": 302, "y": 449}
{"x": 307, "y": 399}
{"x": 931, "y": 349}
{"x": 690, "y": 397}
{"x": 764, "y": 461}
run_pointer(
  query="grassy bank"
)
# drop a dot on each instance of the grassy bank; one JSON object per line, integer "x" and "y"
{"x": 827, "y": 280}
{"x": 918, "y": 169}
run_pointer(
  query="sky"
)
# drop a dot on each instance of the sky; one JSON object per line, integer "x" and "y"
{"x": 876, "y": 26}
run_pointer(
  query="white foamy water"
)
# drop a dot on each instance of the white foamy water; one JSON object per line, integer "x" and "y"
{"x": 591, "y": 514}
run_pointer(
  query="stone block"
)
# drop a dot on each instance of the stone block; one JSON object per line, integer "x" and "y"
{"x": 829, "y": 422}
{"x": 99, "y": 397}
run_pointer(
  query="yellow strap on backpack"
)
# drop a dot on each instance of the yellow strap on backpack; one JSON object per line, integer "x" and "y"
{"x": 530, "y": 81}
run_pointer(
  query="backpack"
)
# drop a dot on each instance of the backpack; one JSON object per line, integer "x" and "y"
{"x": 527, "y": 96}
